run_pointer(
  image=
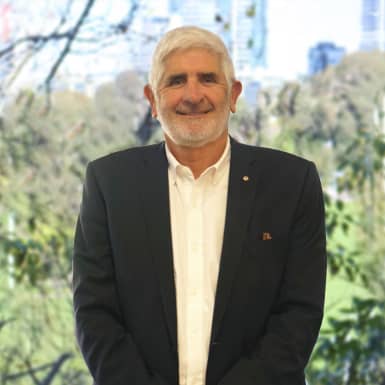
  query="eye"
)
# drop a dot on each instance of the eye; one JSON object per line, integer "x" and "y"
{"x": 208, "y": 78}
{"x": 176, "y": 81}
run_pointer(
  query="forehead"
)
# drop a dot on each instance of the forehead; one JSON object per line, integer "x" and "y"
{"x": 192, "y": 60}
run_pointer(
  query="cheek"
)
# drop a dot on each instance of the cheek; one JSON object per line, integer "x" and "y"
{"x": 168, "y": 101}
{"x": 223, "y": 102}
{"x": 219, "y": 97}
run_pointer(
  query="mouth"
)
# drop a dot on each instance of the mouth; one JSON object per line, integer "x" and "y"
{"x": 193, "y": 113}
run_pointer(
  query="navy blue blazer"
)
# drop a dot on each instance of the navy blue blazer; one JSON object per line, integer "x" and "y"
{"x": 270, "y": 292}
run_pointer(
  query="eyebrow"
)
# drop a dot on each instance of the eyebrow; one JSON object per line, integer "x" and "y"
{"x": 183, "y": 76}
{"x": 212, "y": 75}
{"x": 172, "y": 77}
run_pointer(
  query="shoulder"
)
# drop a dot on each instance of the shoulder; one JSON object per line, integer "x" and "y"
{"x": 126, "y": 159}
{"x": 269, "y": 158}
{"x": 121, "y": 166}
{"x": 129, "y": 154}
{"x": 278, "y": 169}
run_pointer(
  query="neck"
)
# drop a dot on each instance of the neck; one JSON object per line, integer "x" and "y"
{"x": 198, "y": 159}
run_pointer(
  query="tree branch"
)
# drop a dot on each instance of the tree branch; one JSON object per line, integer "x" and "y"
{"x": 5, "y": 322}
{"x": 67, "y": 47}
{"x": 35, "y": 39}
{"x": 55, "y": 366}
{"x": 85, "y": 32}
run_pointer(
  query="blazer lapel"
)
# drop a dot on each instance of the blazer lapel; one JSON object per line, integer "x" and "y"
{"x": 155, "y": 195}
{"x": 240, "y": 197}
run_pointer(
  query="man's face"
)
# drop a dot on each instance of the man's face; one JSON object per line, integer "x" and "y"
{"x": 193, "y": 100}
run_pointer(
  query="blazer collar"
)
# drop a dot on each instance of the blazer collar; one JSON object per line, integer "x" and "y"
{"x": 240, "y": 198}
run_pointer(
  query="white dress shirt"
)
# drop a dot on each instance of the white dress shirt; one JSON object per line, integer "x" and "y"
{"x": 197, "y": 212}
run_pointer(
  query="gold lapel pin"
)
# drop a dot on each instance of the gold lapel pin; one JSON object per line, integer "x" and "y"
{"x": 245, "y": 178}
{"x": 266, "y": 237}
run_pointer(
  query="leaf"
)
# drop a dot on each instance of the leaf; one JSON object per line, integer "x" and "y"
{"x": 250, "y": 12}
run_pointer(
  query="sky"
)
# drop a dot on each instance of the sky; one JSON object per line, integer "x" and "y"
{"x": 297, "y": 25}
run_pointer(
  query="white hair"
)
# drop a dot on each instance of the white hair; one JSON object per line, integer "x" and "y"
{"x": 184, "y": 38}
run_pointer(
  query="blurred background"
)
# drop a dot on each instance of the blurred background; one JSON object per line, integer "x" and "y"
{"x": 71, "y": 79}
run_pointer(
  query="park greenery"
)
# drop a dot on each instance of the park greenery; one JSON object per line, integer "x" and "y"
{"x": 336, "y": 119}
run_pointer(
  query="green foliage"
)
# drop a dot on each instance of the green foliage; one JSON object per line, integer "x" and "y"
{"x": 352, "y": 350}
{"x": 36, "y": 338}
{"x": 43, "y": 155}
{"x": 344, "y": 255}
{"x": 250, "y": 11}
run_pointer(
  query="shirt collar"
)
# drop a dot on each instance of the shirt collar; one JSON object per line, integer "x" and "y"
{"x": 178, "y": 169}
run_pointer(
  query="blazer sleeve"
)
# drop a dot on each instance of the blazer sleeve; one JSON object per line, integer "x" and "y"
{"x": 279, "y": 357}
{"x": 108, "y": 349}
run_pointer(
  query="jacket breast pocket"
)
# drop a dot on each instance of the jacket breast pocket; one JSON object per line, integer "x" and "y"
{"x": 264, "y": 262}
{"x": 260, "y": 248}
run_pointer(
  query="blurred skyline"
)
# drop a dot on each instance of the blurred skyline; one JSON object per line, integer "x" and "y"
{"x": 297, "y": 25}
{"x": 292, "y": 29}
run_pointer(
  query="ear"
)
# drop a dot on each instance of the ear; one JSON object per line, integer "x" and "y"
{"x": 236, "y": 90}
{"x": 150, "y": 97}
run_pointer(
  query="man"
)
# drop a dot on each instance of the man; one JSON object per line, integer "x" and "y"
{"x": 199, "y": 260}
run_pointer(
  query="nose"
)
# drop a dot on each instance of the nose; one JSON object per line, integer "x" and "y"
{"x": 193, "y": 93}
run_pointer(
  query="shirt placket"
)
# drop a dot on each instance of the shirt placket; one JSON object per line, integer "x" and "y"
{"x": 195, "y": 291}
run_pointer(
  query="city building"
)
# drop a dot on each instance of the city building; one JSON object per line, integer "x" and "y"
{"x": 242, "y": 24}
{"x": 151, "y": 21}
{"x": 323, "y": 55}
{"x": 249, "y": 35}
{"x": 202, "y": 15}
{"x": 373, "y": 25}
